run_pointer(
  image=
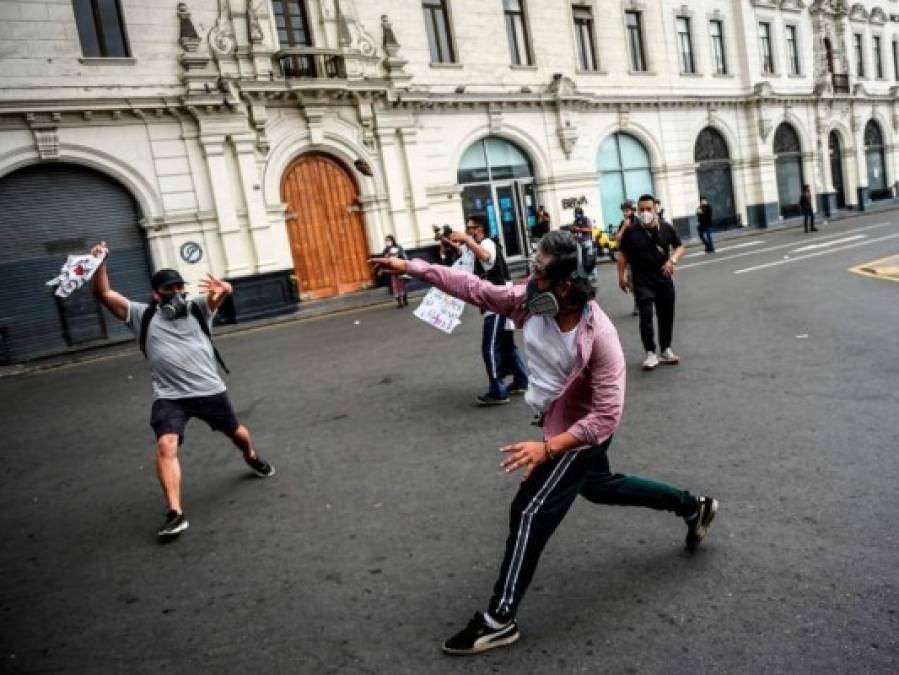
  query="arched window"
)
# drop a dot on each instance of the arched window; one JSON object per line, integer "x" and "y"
{"x": 790, "y": 178}
{"x": 499, "y": 181}
{"x": 710, "y": 146}
{"x": 625, "y": 173}
{"x": 493, "y": 158}
{"x": 786, "y": 140}
{"x": 713, "y": 175}
{"x": 874, "y": 158}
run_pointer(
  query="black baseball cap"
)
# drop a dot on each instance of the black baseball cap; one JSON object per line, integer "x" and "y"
{"x": 165, "y": 277}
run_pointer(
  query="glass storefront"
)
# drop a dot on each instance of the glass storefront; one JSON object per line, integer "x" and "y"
{"x": 498, "y": 179}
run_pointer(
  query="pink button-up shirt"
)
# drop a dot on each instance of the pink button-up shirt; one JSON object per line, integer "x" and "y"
{"x": 592, "y": 400}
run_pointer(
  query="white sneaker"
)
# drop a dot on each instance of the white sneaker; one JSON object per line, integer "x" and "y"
{"x": 669, "y": 358}
{"x": 651, "y": 361}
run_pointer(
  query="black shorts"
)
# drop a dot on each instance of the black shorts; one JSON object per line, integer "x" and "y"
{"x": 171, "y": 415}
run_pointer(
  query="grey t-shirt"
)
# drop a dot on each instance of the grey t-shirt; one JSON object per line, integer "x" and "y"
{"x": 179, "y": 352}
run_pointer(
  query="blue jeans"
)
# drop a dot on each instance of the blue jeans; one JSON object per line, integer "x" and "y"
{"x": 501, "y": 356}
{"x": 808, "y": 220}
{"x": 705, "y": 234}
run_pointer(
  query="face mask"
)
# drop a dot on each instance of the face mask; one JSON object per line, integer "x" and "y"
{"x": 540, "y": 303}
{"x": 646, "y": 217}
{"x": 173, "y": 305}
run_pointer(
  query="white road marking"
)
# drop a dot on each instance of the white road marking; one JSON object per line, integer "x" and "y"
{"x": 814, "y": 255}
{"x": 754, "y": 251}
{"x": 812, "y": 247}
{"x": 728, "y": 248}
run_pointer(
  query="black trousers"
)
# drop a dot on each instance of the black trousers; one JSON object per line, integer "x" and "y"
{"x": 544, "y": 499}
{"x": 661, "y": 297}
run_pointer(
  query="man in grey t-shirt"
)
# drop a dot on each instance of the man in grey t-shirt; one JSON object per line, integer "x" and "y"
{"x": 186, "y": 382}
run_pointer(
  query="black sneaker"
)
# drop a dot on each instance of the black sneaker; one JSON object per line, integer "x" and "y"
{"x": 260, "y": 466}
{"x": 478, "y": 637}
{"x": 491, "y": 399}
{"x": 175, "y": 524}
{"x": 518, "y": 389}
{"x": 698, "y": 523}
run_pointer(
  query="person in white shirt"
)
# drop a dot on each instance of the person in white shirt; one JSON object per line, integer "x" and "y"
{"x": 501, "y": 356}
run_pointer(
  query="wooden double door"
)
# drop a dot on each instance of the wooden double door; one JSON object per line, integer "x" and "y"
{"x": 326, "y": 228}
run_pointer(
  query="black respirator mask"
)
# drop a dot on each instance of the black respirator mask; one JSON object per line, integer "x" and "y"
{"x": 173, "y": 305}
{"x": 546, "y": 303}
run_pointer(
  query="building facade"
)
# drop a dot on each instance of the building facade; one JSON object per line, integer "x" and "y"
{"x": 276, "y": 142}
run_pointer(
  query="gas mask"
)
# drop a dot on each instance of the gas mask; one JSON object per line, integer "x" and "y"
{"x": 540, "y": 304}
{"x": 173, "y": 305}
{"x": 646, "y": 217}
{"x": 545, "y": 303}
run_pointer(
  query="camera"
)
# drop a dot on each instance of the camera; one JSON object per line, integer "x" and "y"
{"x": 440, "y": 232}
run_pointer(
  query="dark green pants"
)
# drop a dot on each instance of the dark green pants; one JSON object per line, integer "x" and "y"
{"x": 544, "y": 499}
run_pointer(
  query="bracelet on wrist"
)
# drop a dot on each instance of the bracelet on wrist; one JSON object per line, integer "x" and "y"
{"x": 549, "y": 453}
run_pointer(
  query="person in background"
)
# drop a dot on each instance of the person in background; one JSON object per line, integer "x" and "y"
{"x": 582, "y": 228}
{"x": 704, "y": 214}
{"x": 543, "y": 223}
{"x": 808, "y": 213}
{"x": 660, "y": 212}
{"x": 397, "y": 282}
{"x": 501, "y": 356}
{"x": 652, "y": 249}
{"x": 628, "y": 216}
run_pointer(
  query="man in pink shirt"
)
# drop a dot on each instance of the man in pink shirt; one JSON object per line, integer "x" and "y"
{"x": 577, "y": 379}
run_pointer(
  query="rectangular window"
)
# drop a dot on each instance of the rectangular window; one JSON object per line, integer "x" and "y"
{"x": 636, "y": 53}
{"x": 896, "y": 60}
{"x": 438, "y": 29}
{"x": 101, "y": 28}
{"x": 685, "y": 45}
{"x": 878, "y": 57}
{"x": 792, "y": 50}
{"x": 716, "y": 30}
{"x": 583, "y": 29}
{"x": 517, "y": 30}
{"x": 767, "y": 53}
{"x": 292, "y": 23}
{"x": 859, "y": 55}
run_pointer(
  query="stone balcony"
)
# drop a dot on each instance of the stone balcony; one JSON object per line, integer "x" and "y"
{"x": 310, "y": 63}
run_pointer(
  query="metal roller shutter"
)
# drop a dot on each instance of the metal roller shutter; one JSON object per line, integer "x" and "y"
{"x": 46, "y": 212}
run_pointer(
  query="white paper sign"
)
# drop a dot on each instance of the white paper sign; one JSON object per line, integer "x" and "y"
{"x": 441, "y": 310}
{"x": 76, "y": 271}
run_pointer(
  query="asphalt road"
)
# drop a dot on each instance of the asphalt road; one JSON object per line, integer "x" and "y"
{"x": 383, "y": 530}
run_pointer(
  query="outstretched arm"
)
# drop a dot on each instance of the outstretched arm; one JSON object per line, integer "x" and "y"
{"x": 115, "y": 302}
{"x": 504, "y": 300}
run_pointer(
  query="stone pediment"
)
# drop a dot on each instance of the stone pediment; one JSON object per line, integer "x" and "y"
{"x": 792, "y": 5}
{"x": 858, "y": 12}
{"x": 878, "y": 16}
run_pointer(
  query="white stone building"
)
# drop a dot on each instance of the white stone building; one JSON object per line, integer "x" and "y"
{"x": 276, "y": 142}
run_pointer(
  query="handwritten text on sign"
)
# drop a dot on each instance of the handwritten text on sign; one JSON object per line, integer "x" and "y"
{"x": 441, "y": 310}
